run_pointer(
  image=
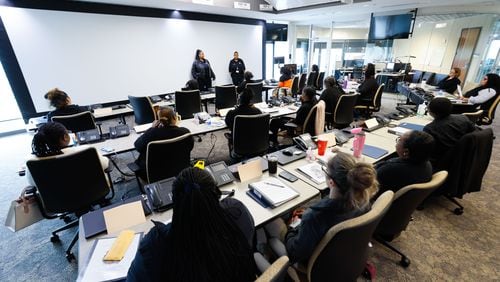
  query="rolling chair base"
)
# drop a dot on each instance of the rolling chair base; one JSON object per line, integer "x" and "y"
{"x": 55, "y": 239}
{"x": 405, "y": 261}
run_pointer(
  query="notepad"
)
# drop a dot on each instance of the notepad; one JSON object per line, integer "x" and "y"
{"x": 143, "y": 127}
{"x": 373, "y": 152}
{"x": 273, "y": 191}
{"x": 313, "y": 171}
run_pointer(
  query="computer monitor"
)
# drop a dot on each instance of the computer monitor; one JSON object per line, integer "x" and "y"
{"x": 390, "y": 66}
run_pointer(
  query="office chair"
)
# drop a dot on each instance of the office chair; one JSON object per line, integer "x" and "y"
{"x": 357, "y": 72}
{"x": 475, "y": 116}
{"x": 399, "y": 214}
{"x": 77, "y": 122}
{"x": 302, "y": 82}
{"x": 473, "y": 148}
{"x": 295, "y": 86}
{"x": 489, "y": 115}
{"x": 225, "y": 96}
{"x": 374, "y": 105}
{"x": 319, "y": 82}
{"x": 417, "y": 76}
{"x": 256, "y": 88}
{"x": 342, "y": 253}
{"x": 69, "y": 183}
{"x": 343, "y": 115}
{"x": 143, "y": 109}
{"x": 250, "y": 136}
{"x": 312, "y": 80}
{"x": 428, "y": 77}
{"x": 314, "y": 124}
{"x": 187, "y": 103}
{"x": 275, "y": 272}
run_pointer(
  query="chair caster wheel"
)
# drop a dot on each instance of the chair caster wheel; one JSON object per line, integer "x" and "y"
{"x": 404, "y": 262}
{"x": 458, "y": 211}
{"x": 70, "y": 257}
{"x": 67, "y": 219}
{"x": 55, "y": 239}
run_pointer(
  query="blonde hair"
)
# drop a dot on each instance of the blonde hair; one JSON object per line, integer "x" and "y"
{"x": 167, "y": 116}
{"x": 458, "y": 71}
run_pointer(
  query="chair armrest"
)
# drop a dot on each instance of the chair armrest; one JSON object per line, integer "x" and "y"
{"x": 291, "y": 125}
{"x": 275, "y": 270}
{"x": 277, "y": 246}
{"x": 133, "y": 167}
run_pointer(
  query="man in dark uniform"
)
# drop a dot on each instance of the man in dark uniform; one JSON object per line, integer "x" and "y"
{"x": 236, "y": 68}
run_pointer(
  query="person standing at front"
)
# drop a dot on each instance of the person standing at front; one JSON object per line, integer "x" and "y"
{"x": 237, "y": 69}
{"x": 202, "y": 71}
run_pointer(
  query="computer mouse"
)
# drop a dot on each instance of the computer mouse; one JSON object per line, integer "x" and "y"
{"x": 297, "y": 152}
{"x": 287, "y": 153}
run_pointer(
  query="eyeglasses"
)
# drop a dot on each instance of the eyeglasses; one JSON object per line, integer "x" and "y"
{"x": 397, "y": 139}
{"x": 325, "y": 170}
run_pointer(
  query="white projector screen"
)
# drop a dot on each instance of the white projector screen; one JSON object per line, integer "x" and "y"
{"x": 99, "y": 58}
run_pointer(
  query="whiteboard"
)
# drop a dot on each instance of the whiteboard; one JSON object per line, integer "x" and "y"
{"x": 98, "y": 58}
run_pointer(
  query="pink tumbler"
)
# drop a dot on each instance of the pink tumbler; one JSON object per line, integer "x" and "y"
{"x": 359, "y": 141}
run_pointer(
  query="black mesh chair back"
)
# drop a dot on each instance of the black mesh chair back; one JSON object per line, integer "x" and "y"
{"x": 342, "y": 253}
{"x": 143, "y": 109}
{"x": 225, "y": 96}
{"x": 256, "y": 88}
{"x": 77, "y": 122}
{"x": 69, "y": 182}
{"x": 295, "y": 86}
{"x": 319, "y": 82}
{"x": 428, "y": 77}
{"x": 312, "y": 80}
{"x": 166, "y": 158}
{"x": 250, "y": 135}
{"x": 344, "y": 111}
{"x": 302, "y": 82}
{"x": 417, "y": 76}
{"x": 187, "y": 103}
{"x": 437, "y": 78}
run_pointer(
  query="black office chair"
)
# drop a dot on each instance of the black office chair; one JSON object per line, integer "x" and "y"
{"x": 319, "y": 82}
{"x": 187, "y": 103}
{"x": 489, "y": 115}
{"x": 312, "y": 80}
{"x": 77, "y": 122}
{"x": 474, "y": 116}
{"x": 428, "y": 77}
{"x": 374, "y": 105}
{"x": 69, "y": 183}
{"x": 404, "y": 204}
{"x": 225, "y": 96}
{"x": 250, "y": 136}
{"x": 143, "y": 109}
{"x": 302, "y": 82}
{"x": 357, "y": 72}
{"x": 295, "y": 86}
{"x": 437, "y": 78}
{"x": 256, "y": 88}
{"x": 343, "y": 114}
{"x": 417, "y": 76}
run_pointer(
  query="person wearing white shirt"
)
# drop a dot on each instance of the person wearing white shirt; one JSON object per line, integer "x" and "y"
{"x": 486, "y": 93}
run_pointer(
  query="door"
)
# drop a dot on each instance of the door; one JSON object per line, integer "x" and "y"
{"x": 466, "y": 45}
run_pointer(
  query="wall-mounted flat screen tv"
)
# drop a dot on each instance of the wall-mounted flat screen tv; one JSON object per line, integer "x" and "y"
{"x": 390, "y": 27}
{"x": 276, "y": 32}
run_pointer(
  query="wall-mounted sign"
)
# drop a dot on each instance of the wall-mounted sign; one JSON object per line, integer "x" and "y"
{"x": 265, "y": 7}
{"x": 242, "y": 5}
{"x": 204, "y": 2}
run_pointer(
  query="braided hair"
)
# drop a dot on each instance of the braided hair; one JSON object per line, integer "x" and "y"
{"x": 48, "y": 140}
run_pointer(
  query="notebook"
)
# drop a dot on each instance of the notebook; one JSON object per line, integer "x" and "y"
{"x": 273, "y": 191}
{"x": 412, "y": 126}
{"x": 313, "y": 171}
{"x": 373, "y": 152}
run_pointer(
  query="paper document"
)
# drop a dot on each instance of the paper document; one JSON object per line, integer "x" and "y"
{"x": 250, "y": 170}
{"x": 273, "y": 191}
{"x": 398, "y": 130}
{"x": 223, "y": 112}
{"x": 143, "y": 127}
{"x": 313, "y": 171}
{"x": 123, "y": 217}
{"x": 99, "y": 270}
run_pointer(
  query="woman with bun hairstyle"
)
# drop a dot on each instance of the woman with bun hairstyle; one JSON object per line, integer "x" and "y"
{"x": 163, "y": 128}
{"x": 62, "y": 104}
{"x": 351, "y": 186}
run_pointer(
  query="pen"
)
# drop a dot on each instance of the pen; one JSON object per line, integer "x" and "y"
{"x": 272, "y": 184}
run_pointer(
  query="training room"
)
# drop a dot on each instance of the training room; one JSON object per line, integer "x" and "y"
{"x": 203, "y": 140}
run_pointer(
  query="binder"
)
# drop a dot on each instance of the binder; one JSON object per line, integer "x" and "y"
{"x": 271, "y": 191}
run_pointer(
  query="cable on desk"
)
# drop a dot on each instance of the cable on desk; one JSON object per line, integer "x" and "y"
{"x": 213, "y": 140}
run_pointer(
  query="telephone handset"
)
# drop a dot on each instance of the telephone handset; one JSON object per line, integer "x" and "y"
{"x": 305, "y": 141}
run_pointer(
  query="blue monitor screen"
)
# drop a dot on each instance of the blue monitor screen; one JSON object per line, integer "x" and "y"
{"x": 390, "y": 27}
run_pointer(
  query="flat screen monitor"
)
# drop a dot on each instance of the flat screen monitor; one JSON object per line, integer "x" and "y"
{"x": 398, "y": 66}
{"x": 279, "y": 60}
{"x": 276, "y": 32}
{"x": 390, "y": 66}
{"x": 354, "y": 63}
{"x": 390, "y": 27}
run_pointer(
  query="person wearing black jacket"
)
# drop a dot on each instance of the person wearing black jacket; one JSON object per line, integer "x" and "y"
{"x": 313, "y": 77}
{"x": 244, "y": 108}
{"x": 62, "y": 102}
{"x": 163, "y": 128}
{"x": 330, "y": 94}
{"x": 237, "y": 69}
{"x": 368, "y": 88}
{"x": 248, "y": 79}
{"x": 449, "y": 83}
{"x": 202, "y": 71}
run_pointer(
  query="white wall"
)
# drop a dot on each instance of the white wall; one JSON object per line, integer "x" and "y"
{"x": 99, "y": 58}
{"x": 434, "y": 48}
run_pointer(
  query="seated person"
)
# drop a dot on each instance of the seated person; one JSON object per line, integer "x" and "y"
{"x": 312, "y": 79}
{"x": 202, "y": 243}
{"x": 163, "y": 128}
{"x": 62, "y": 102}
{"x": 330, "y": 94}
{"x": 351, "y": 184}
{"x": 245, "y": 107}
{"x": 308, "y": 99}
{"x": 486, "y": 93}
{"x": 192, "y": 84}
{"x": 53, "y": 139}
{"x": 410, "y": 166}
{"x": 449, "y": 83}
{"x": 285, "y": 78}
{"x": 248, "y": 78}
{"x": 447, "y": 129}
{"x": 368, "y": 87}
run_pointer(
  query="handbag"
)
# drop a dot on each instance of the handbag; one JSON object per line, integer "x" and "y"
{"x": 23, "y": 211}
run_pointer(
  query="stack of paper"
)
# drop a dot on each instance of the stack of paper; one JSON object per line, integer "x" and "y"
{"x": 398, "y": 130}
{"x": 142, "y": 128}
{"x": 273, "y": 191}
{"x": 313, "y": 171}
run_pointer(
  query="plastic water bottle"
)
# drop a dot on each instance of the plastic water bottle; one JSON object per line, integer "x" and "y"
{"x": 421, "y": 109}
{"x": 441, "y": 93}
{"x": 309, "y": 154}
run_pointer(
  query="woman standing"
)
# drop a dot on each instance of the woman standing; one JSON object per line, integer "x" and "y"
{"x": 237, "y": 69}
{"x": 201, "y": 71}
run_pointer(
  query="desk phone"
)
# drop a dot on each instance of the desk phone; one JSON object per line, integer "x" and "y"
{"x": 221, "y": 173}
{"x": 88, "y": 136}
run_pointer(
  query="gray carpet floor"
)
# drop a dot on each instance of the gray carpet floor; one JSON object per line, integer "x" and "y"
{"x": 440, "y": 244}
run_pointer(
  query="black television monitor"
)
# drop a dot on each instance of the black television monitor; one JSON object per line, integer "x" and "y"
{"x": 390, "y": 27}
{"x": 276, "y": 32}
{"x": 279, "y": 60}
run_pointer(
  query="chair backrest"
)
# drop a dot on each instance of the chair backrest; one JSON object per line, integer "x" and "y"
{"x": 302, "y": 82}
{"x": 341, "y": 254}
{"x": 404, "y": 204}
{"x": 166, "y": 158}
{"x": 251, "y": 135}
{"x": 225, "y": 96}
{"x": 474, "y": 116}
{"x": 417, "y": 76}
{"x": 314, "y": 123}
{"x": 70, "y": 182}
{"x": 357, "y": 72}
{"x": 344, "y": 110}
{"x": 319, "y": 82}
{"x": 377, "y": 99}
{"x": 256, "y": 88}
{"x": 428, "y": 77}
{"x": 143, "y": 109}
{"x": 275, "y": 271}
{"x": 295, "y": 86}
{"x": 312, "y": 79}
{"x": 76, "y": 122}
{"x": 490, "y": 114}
{"x": 187, "y": 103}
